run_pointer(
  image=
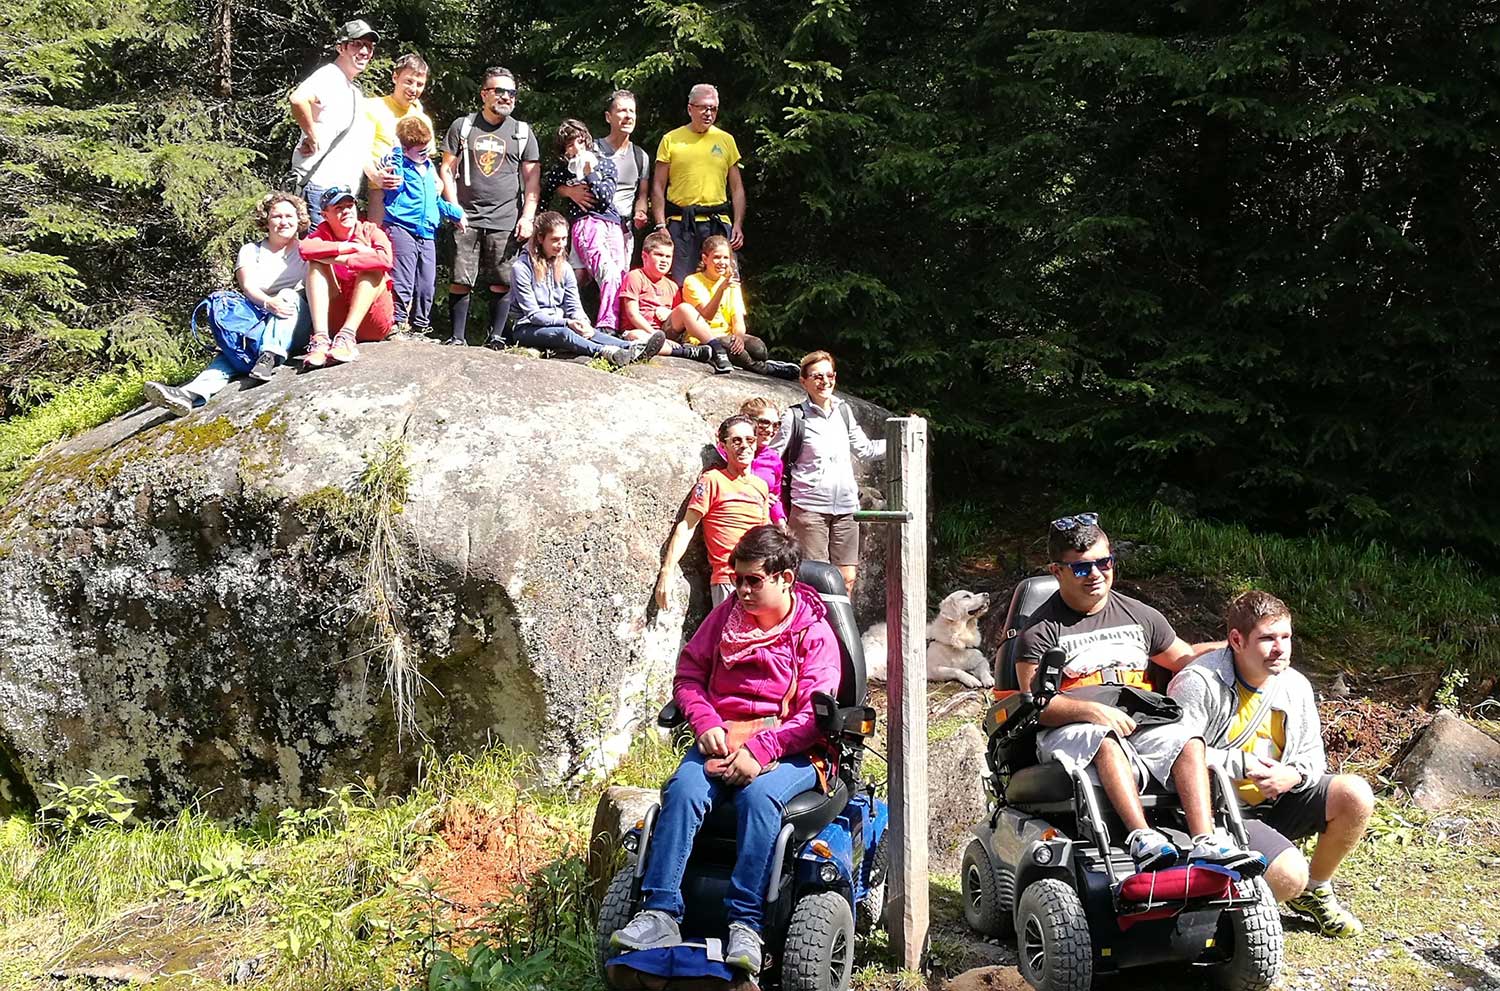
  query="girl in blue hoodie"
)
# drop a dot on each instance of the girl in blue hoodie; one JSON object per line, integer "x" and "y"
{"x": 413, "y": 213}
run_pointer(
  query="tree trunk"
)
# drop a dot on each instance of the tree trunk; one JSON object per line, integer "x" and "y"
{"x": 222, "y": 46}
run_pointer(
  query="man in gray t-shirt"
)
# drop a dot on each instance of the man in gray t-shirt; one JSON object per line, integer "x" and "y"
{"x": 491, "y": 171}
{"x": 632, "y": 169}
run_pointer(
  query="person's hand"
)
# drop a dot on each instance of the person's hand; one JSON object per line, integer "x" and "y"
{"x": 579, "y": 194}
{"x": 280, "y": 307}
{"x": 662, "y": 314}
{"x": 1115, "y": 719}
{"x": 639, "y": 220}
{"x": 523, "y": 228}
{"x": 308, "y": 146}
{"x": 463, "y": 224}
{"x": 663, "y": 594}
{"x": 742, "y": 769}
{"x": 580, "y": 327}
{"x": 1273, "y": 780}
{"x": 388, "y": 179}
{"x": 714, "y": 742}
{"x": 735, "y": 343}
{"x": 737, "y": 237}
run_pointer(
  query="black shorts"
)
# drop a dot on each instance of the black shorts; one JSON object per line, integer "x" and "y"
{"x": 483, "y": 257}
{"x": 1273, "y": 827}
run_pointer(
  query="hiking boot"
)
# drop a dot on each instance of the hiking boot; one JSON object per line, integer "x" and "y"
{"x": 783, "y": 370}
{"x": 1322, "y": 906}
{"x": 742, "y": 950}
{"x": 496, "y": 344}
{"x": 1218, "y": 849}
{"x": 454, "y": 342}
{"x": 651, "y": 346}
{"x": 720, "y": 361}
{"x": 178, "y": 402}
{"x": 1150, "y": 850}
{"x": 344, "y": 349}
{"x": 649, "y": 930}
{"x": 619, "y": 357}
{"x": 317, "y": 353}
{"x": 694, "y": 352}
{"x": 264, "y": 367}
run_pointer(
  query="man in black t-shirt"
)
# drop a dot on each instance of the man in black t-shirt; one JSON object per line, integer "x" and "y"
{"x": 491, "y": 171}
{"x": 1111, "y": 639}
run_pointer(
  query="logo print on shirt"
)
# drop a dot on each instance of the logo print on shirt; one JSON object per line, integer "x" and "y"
{"x": 718, "y": 151}
{"x": 489, "y": 151}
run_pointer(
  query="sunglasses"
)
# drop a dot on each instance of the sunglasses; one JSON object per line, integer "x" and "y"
{"x": 1081, "y": 569}
{"x": 1067, "y": 523}
{"x": 821, "y": 377}
{"x": 502, "y": 90}
{"x": 740, "y": 442}
{"x": 752, "y": 582}
{"x": 768, "y": 424}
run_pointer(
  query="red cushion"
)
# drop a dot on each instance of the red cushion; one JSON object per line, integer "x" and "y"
{"x": 1176, "y": 884}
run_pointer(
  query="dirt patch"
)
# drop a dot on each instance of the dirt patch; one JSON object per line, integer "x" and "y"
{"x": 487, "y": 856}
{"x": 1364, "y": 736}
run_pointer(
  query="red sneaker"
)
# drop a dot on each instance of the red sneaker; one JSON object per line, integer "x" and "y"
{"x": 317, "y": 353}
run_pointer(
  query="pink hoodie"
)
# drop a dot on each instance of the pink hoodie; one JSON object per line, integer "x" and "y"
{"x": 768, "y": 466}
{"x": 708, "y": 692}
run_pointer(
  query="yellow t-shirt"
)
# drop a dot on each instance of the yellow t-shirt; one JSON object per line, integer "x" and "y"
{"x": 1268, "y": 740}
{"x": 699, "y": 165}
{"x": 698, "y": 289}
{"x": 384, "y": 114}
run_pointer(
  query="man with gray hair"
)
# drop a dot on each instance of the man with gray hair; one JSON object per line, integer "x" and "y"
{"x": 697, "y": 190}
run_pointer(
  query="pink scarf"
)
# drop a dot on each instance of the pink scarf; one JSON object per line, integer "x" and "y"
{"x": 741, "y": 636}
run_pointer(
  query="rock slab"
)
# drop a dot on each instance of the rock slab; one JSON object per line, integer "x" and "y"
{"x": 1451, "y": 762}
{"x": 956, "y": 796}
{"x": 187, "y": 602}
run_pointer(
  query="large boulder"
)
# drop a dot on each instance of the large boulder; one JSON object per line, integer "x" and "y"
{"x": 957, "y": 799}
{"x": 1451, "y": 762}
{"x": 217, "y": 608}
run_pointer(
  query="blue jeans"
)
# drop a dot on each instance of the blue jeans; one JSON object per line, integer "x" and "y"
{"x": 279, "y": 335}
{"x": 415, "y": 276}
{"x": 686, "y": 799}
{"x": 563, "y": 339}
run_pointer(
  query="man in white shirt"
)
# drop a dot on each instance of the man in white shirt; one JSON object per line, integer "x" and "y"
{"x": 336, "y": 133}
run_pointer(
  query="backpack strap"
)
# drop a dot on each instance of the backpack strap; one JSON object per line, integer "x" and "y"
{"x": 463, "y": 140}
{"x": 789, "y": 455}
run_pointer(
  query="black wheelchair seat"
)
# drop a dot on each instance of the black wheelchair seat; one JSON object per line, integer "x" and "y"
{"x": 1040, "y": 784}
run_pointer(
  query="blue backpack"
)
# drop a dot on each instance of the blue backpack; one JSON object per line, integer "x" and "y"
{"x": 684, "y": 967}
{"x": 236, "y": 325}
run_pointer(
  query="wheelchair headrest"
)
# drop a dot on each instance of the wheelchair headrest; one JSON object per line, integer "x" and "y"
{"x": 1024, "y": 602}
{"x": 830, "y": 586}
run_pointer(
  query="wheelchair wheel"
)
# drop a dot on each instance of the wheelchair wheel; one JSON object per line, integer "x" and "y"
{"x": 985, "y": 893}
{"x": 1253, "y": 938}
{"x": 819, "y": 950}
{"x": 1052, "y": 938}
{"x": 870, "y": 912}
{"x": 615, "y": 912}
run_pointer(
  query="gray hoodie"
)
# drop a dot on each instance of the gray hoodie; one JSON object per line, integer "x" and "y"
{"x": 1206, "y": 691}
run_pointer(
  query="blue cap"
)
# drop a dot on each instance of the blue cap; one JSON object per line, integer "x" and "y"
{"x": 335, "y": 194}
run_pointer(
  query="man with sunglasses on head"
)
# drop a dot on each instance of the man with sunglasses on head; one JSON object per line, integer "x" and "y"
{"x": 491, "y": 171}
{"x": 1109, "y": 638}
{"x": 729, "y": 502}
{"x": 696, "y": 165}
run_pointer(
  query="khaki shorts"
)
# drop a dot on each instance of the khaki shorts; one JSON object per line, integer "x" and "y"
{"x": 483, "y": 257}
{"x": 826, "y": 537}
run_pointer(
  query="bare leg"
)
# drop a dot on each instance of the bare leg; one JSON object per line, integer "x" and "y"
{"x": 321, "y": 288}
{"x": 1287, "y": 875}
{"x": 363, "y": 295}
{"x": 1350, "y": 803}
{"x": 1190, "y": 777}
{"x": 850, "y": 572}
{"x": 1117, "y": 777}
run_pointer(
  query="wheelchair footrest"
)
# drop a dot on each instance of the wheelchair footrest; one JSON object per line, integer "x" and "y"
{"x": 1161, "y": 894}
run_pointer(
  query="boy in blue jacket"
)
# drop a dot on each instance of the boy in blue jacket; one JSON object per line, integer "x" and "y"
{"x": 413, "y": 213}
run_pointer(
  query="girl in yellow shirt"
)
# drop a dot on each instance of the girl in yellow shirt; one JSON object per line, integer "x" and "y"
{"x": 715, "y": 315}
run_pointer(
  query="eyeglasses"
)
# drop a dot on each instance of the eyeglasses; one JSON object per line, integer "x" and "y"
{"x": 740, "y": 442}
{"x": 1067, "y": 523}
{"x": 705, "y": 108}
{"x": 821, "y": 377}
{"x": 768, "y": 424}
{"x": 752, "y": 582}
{"x": 1081, "y": 569}
{"x": 502, "y": 90}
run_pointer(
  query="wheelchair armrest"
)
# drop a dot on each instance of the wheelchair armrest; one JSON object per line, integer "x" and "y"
{"x": 1048, "y": 678}
{"x": 670, "y": 717}
{"x": 855, "y": 722}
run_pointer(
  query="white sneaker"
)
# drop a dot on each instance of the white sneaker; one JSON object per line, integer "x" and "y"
{"x": 1218, "y": 849}
{"x": 1151, "y": 850}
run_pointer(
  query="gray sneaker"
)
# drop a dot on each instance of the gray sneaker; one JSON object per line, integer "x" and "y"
{"x": 619, "y": 357}
{"x": 743, "y": 948}
{"x": 264, "y": 367}
{"x": 652, "y": 346}
{"x": 178, "y": 402}
{"x": 694, "y": 352}
{"x": 649, "y": 930}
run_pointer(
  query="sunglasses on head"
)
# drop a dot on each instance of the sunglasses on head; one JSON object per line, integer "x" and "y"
{"x": 751, "y": 582}
{"x": 1081, "y": 569}
{"x": 1067, "y": 523}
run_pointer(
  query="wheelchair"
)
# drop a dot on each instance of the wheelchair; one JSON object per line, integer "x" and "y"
{"x": 1049, "y": 864}
{"x": 830, "y": 850}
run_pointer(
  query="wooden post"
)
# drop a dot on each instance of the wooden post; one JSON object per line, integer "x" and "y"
{"x": 906, "y": 687}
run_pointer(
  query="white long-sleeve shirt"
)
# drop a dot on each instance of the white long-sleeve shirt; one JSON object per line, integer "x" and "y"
{"x": 822, "y": 478}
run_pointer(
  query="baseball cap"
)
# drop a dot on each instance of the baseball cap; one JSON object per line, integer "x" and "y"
{"x": 353, "y": 30}
{"x": 335, "y": 194}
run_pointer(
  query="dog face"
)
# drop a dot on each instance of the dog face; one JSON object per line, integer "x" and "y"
{"x": 964, "y": 606}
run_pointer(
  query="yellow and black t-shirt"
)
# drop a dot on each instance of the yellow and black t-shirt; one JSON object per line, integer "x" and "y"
{"x": 1267, "y": 742}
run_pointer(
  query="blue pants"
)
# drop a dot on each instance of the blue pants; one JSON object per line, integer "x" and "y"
{"x": 415, "y": 276}
{"x": 563, "y": 339}
{"x": 686, "y": 799}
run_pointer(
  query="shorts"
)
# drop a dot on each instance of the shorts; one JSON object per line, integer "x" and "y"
{"x": 825, "y": 536}
{"x": 379, "y": 321}
{"x": 483, "y": 257}
{"x": 1274, "y": 826}
{"x": 1151, "y": 750}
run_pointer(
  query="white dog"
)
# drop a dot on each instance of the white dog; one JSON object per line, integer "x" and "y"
{"x": 951, "y": 641}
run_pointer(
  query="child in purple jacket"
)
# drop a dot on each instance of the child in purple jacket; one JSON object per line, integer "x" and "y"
{"x": 750, "y": 671}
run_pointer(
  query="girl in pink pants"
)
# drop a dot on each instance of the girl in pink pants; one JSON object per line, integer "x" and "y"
{"x": 585, "y": 180}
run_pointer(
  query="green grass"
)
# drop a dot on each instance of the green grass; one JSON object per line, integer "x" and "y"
{"x": 75, "y": 409}
{"x": 1358, "y": 600}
